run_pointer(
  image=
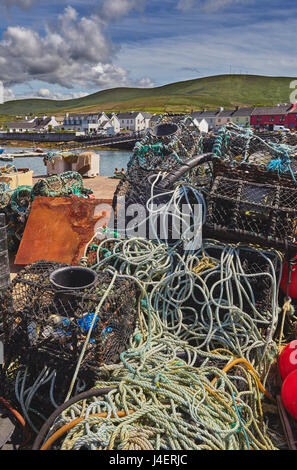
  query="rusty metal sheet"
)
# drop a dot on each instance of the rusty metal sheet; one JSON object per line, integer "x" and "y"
{"x": 58, "y": 228}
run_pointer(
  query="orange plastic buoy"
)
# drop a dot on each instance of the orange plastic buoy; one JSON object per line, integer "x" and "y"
{"x": 289, "y": 393}
{"x": 287, "y": 360}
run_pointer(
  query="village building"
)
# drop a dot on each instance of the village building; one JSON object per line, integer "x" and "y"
{"x": 292, "y": 118}
{"x": 134, "y": 121}
{"x": 223, "y": 117}
{"x": 242, "y": 116}
{"x": 202, "y": 125}
{"x": 209, "y": 116}
{"x": 87, "y": 123}
{"x": 115, "y": 122}
{"x": 267, "y": 117}
{"x": 44, "y": 124}
{"x": 102, "y": 123}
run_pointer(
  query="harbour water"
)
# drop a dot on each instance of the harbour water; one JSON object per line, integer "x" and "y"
{"x": 109, "y": 160}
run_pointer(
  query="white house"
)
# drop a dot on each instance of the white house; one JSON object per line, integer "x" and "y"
{"x": 44, "y": 124}
{"x": 202, "y": 125}
{"x": 101, "y": 123}
{"x": 115, "y": 122}
{"x": 87, "y": 123}
{"x": 134, "y": 121}
{"x": 209, "y": 116}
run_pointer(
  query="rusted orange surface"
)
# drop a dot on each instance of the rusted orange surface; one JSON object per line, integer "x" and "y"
{"x": 59, "y": 228}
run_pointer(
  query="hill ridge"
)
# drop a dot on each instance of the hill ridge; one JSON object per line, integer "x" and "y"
{"x": 210, "y": 92}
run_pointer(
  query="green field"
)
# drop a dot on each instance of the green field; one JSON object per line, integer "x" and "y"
{"x": 209, "y": 92}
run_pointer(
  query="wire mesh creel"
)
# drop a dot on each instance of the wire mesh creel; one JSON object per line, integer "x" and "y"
{"x": 49, "y": 326}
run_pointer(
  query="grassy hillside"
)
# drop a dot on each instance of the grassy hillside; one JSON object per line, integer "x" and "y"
{"x": 209, "y": 92}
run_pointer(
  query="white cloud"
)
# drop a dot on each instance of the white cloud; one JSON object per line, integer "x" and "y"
{"x": 115, "y": 9}
{"x": 146, "y": 82}
{"x": 66, "y": 55}
{"x": 43, "y": 93}
{"x": 73, "y": 53}
{"x": 9, "y": 94}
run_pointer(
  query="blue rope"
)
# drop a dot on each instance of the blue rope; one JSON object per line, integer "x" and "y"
{"x": 240, "y": 420}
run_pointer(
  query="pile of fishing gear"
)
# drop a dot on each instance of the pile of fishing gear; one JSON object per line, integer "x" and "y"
{"x": 16, "y": 204}
{"x": 46, "y": 327}
{"x": 170, "y": 336}
{"x": 243, "y": 149}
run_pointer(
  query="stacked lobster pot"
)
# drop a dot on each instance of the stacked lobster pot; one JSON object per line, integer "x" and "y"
{"x": 253, "y": 192}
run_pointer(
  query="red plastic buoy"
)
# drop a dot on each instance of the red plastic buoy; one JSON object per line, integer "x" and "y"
{"x": 287, "y": 360}
{"x": 293, "y": 283}
{"x": 289, "y": 394}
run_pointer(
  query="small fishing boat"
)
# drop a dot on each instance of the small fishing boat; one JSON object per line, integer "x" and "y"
{"x": 6, "y": 157}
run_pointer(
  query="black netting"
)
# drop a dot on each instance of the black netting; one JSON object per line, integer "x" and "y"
{"x": 48, "y": 327}
{"x": 267, "y": 156}
{"x": 253, "y": 211}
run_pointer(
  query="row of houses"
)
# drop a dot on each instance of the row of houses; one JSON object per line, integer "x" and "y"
{"x": 108, "y": 124}
{"x": 266, "y": 117}
{"x": 36, "y": 124}
{"x": 96, "y": 123}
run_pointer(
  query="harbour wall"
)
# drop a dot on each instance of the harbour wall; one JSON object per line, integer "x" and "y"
{"x": 36, "y": 137}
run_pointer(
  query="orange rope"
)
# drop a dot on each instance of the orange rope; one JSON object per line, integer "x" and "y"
{"x": 19, "y": 418}
{"x": 47, "y": 445}
{"x": 238, "y": 361}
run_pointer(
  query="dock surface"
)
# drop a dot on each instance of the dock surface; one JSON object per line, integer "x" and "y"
{"x": 102, "y": 186}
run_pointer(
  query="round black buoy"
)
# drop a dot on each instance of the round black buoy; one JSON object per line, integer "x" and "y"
{"x": 73, "y": 278}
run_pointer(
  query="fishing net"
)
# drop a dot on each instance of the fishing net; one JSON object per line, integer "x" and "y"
{"x": 172, "y": 141}
{"x": 45, "y": 323}
{"x": 242, "y": 147}
{"x": 238, "y": 209}
{"x": 64, "y": 184}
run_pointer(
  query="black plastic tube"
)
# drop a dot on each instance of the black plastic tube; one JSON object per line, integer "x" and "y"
{"x": 180, "y": 170}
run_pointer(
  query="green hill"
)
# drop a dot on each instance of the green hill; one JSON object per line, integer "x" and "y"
{"x": 209, "y": 92}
